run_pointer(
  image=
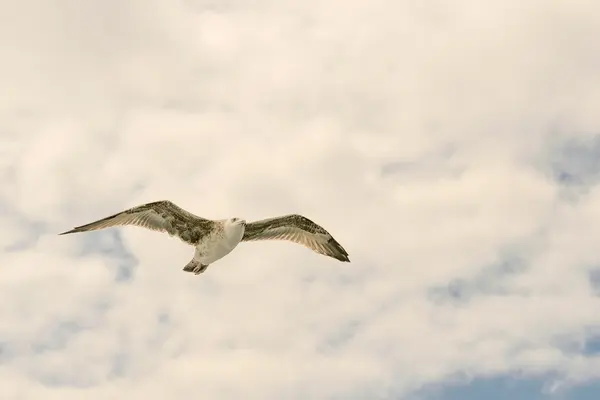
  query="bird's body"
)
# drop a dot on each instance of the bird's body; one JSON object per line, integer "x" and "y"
{"x": 214, "y": 239}
{"x": 217, "y": 243}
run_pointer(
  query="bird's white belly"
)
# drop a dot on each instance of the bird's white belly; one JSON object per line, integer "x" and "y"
{"x": 218, "y": 247}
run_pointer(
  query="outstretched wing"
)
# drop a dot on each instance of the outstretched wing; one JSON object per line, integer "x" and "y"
{"x": 297, "y": 229}
{"x": 161, "y": 216}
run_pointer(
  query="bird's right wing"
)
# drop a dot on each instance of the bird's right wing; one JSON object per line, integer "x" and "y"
{"x": 161, "y": 216}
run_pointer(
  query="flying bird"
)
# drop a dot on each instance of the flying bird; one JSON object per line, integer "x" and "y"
{"x": 214, "y": 239}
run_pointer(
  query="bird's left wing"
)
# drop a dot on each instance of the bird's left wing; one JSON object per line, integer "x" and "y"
{"x": 297, "y": 229}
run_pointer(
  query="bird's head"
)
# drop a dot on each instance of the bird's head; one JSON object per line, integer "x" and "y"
{"x": 235, "y": 228}
{"x": 236, "y": 221}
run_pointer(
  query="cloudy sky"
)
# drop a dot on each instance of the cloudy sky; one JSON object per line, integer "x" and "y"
{"x": 451, "y": 147}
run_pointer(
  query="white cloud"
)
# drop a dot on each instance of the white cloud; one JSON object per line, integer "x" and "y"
{"x": 419, "y": 135}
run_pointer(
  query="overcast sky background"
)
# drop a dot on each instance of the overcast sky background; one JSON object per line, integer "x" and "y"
{"x": 451, "y": 147}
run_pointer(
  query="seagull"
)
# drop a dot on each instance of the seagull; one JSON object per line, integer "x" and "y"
{"x": 214, "y": 239}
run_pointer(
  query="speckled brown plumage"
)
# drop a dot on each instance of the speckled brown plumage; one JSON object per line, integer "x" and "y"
{"x": 215, "y": 239}
{"x": 298, "y": 229}
{"x": 162, "y": 216}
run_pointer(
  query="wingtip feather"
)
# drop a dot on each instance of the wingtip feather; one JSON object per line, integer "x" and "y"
{"x": 341, "y": 253}
{"x": 343, "y": 258}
